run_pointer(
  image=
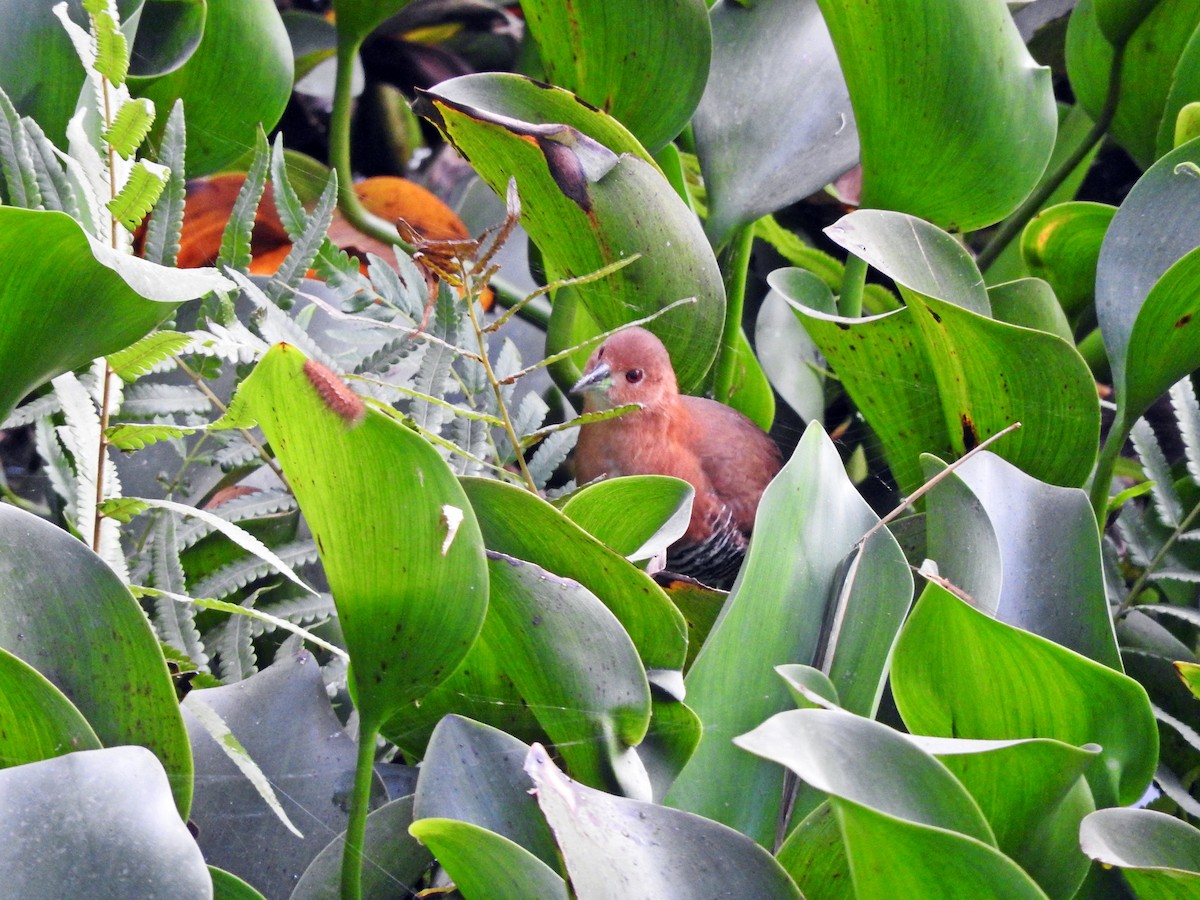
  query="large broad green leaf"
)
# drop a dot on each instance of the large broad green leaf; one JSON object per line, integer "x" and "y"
{"x": 959, "y": 673}
{"x": 577, "y": 669}
{"x": 488, "y": 866}
{"x": 168, "y": 33}
{"x": 1147, "y": 253}
{"x": 97, "y": 824}
{"x": 1048, "y": 554}
{"x": 639, "y": 516}
{"x": 1030, "y": 303}
{"x": 1159, "y": 855}
{"x": 1033, "y": 795}
{"x": 644, "y": 65}
{"x": 939, "y": 376}
{"x": 397, "y": 536}
{"x": 910, "y": 828}
{"x": 358, "y": 18}
{"x": 394, "y": 860}
{"x": 48, "y": 265}
{"x": 775, "y": 123}
{"x": 473, "y": 773}
{"x": 1160, "y": 68}
{"x": 549, "y": 539}
{"x": 36, "y": 721}
{"x": 1062, "y": 245}
{"x": 929, "y": 125}
{"x": 616, "y": 847}
{"x": 588, "y": 203}
{"x": 239, "y": 77}
{"x": 282, "y": 718}
{"x": 76, "y": 624}
{"x": 807, "y": 593}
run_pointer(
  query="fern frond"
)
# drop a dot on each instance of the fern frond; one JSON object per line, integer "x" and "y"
{"x": 145, "y": 355}
{"x": 551, "y": 454}
{"x": 166, "y": 219}
{"x": 231, "y": 643}
{"x": 233, "y": 342}
{"x": 139, "y": 194}
{"x": 305, "y": 247}
{"x": 287, "y": 203}
{"x": 235, "y": 576}
{"x": 246, "y": 508}
{"x": 130, "y": 126}
{"x": 58, "y": 191}
{"x": 137, "y": 437}
{"x": 1187, "y": 414}
{"x": 144, "y": 400}
{"x": 27, "y": 414}
{"x": 402, "y": 290}
{"x": 16, "y": 162}
{"x": 174, "y": 622}
{"x": 1154, "y": 463}
{"x": 235, "y": 240}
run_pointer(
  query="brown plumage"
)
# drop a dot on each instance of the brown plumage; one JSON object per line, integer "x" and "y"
{"x": 727, "y": 458}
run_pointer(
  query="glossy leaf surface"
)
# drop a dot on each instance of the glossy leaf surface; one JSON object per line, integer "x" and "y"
{"x": 644, "y": 65}
{"x": 397, "y": 536}
{"x": 1062, "y": 245}
{"x": 588, "y": 201}
{"x": 1159, "y": 855}
{"x": 47, "y": 263}
{"x": 796, "y": 578}
{"x": 51, "y": 617}
{"x": 99, "y": 824}
{"x": 1151, "y": 345}
{"x": 485, "y": 865}
{"x": 775, "y": 123}
{"x": 959, "y": 673}
{"x": 614, "y": 846}
{"x": 36, "y": 721}
{"x": 937, "y": 160}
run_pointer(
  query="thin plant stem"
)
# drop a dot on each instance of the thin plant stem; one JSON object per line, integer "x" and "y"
{"x": 1102, "y": 476}
{"x": 339, "y": 152}
{"x": 735, "y": 264}
{"x": 102, "y": 458}
{"x": 854, "y": 281}
{"x": 356, "y": 827}
{"x": 1015, "y": 224}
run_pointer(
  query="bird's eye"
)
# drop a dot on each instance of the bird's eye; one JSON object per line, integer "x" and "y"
{"x": 633, "y": 376}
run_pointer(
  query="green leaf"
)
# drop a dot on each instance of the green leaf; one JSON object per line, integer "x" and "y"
{"x": 637, "y": 516}
{"x": 47, "y": 263}
{"x": 137, "y": 437}
{"x": 1147, "y": 253}
{"x": 789, "y": 356}
{"x": 235, "y": 239}
{"x": 238, "y": 78}
{"x": 305, "y": 247}
{"x": 397, "y": 861}
{"x": 1030, "y": 303}
{"x": 1159, "y": 61}
{"x": 112, "y": 50}
{"x": 549, "y": 539}
{"x": 358, "y": 18}
{"x": 910, "y": 828}
{"x": 576, "y": 668}
{"x": 614, "y": 846}
{"x": 937, "y": 159}
{"x": 130, "y": 127}
{"x": 472, "y": 773}
{"x": 51, "y": 616}
{"x": 591, "y": 197}
{"x": 140, "y": 193}
{"x": 140, "y": 357}
{"x": 227, "y": 886}
{"x": 99, "y": 824}
{"x": 169, "y": 31}
{"x": 399, "y": 541}
{"x": 984, "y": 374}
{"x": 486, "y": 865}
{"x": 36, "y": 720}
{"x": 770, "y": 132}
{"x": 618, "y": 58}
{"x": 1047, "y": 548}
{"x": 283, "y": 718}
{"x": 1158, "y": 854}
{"x": 802, "y": 596}
{"x": 1062, "y": 245}
{"x": 958, "y": 673}
{"x": 166, "y": 219}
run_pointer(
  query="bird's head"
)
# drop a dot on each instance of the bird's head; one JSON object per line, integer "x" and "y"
{"x": 632, "y": 366}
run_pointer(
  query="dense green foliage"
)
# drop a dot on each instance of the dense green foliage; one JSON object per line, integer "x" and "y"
{"x": 301, "y": 535}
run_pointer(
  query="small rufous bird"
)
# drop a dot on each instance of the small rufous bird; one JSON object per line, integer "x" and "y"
{"x": 723, "y": 455}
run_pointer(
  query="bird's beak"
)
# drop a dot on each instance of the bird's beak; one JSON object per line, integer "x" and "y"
{"x": 599, "y": 379}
